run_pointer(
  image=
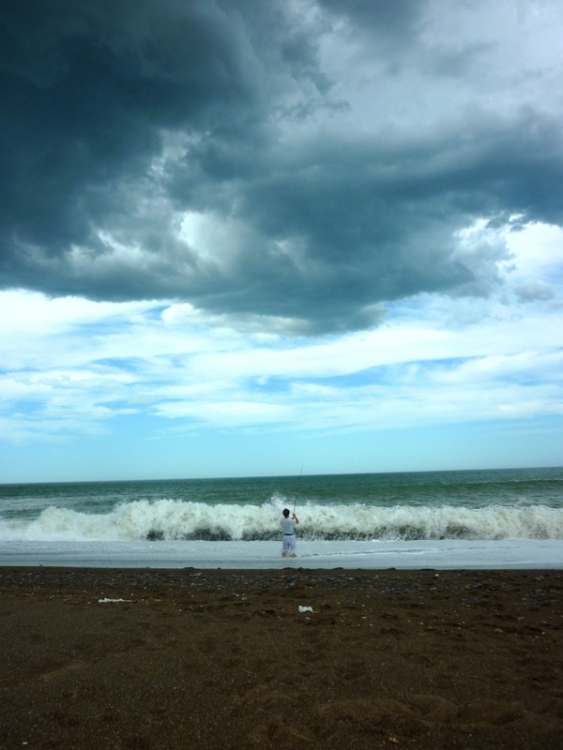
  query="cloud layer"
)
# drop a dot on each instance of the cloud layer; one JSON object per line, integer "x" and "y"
{"x": 286, "y": 166}
{"x": 73, "y": 367}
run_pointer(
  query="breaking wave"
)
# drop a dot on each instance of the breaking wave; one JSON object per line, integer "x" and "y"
{"x": 177, "y": 520}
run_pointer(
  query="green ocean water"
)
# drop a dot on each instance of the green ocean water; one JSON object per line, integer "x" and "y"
{"x": 490, "y": 504}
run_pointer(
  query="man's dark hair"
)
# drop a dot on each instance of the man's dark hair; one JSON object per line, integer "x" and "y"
{"x": 286, "y": 512}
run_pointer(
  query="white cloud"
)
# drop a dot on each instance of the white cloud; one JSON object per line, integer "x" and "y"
{"x": 70, "y": 365}
{"x": 73, "y": 365}
{"x": 31, "y": 312}
{"x": 537, "y": 256}
{"x": 232, "y": 413}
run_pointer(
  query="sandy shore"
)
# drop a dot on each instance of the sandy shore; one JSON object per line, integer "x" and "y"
{"x": 225, "y": 659}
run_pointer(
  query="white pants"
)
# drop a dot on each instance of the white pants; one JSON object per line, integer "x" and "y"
{"x": 288, "y": 543}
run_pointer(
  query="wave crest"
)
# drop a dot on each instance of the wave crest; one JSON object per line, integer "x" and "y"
{"x": 176, "y": 520}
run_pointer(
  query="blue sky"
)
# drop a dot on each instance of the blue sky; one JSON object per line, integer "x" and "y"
{"x": 328, "y": 237}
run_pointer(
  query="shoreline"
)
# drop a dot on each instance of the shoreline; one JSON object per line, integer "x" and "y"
{"x": 375, "y": 555}
{"x": 201, "y": 658}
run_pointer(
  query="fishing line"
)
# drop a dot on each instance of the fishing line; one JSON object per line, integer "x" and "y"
{"x": 297, "y": 490}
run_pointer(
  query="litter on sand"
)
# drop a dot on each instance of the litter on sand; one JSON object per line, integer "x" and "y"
{"x": 104, "y": 601}
{"x": 305, "y": 609}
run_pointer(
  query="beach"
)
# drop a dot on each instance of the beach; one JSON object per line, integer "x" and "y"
{"x": 289, "y": 658}
{"x": 424, "y": 611}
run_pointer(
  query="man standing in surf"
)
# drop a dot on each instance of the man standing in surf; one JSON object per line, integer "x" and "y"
{"x": 288, "y": 528}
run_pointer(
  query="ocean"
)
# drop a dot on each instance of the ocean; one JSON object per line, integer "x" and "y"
{"x": 496, "y": 518}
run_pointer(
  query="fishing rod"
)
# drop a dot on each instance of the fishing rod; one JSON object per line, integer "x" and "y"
{"x": 297, "y": 491}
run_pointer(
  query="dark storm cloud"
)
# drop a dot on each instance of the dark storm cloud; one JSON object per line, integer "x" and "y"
{"x": 397, "y": 18}
{"x": 118, "y": 117}
{"x": 87, "y": 87}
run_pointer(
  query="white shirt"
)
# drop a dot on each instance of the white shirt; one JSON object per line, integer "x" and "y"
{"x": 288, "y": 525}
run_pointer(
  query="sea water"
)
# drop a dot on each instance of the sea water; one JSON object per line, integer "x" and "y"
{"x": 493, "y": 518}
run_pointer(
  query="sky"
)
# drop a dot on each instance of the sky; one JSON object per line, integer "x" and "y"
{"x": 241, "y": 238}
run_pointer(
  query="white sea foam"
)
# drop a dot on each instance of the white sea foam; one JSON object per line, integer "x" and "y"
{"x": 174, "y": 520}
{"x": 443, "y": 554}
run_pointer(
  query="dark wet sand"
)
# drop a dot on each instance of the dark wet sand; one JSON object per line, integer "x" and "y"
{"x": 224, "y": 659}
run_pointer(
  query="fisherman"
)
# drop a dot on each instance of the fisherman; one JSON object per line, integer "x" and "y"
{"x": 288, "y": 528}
